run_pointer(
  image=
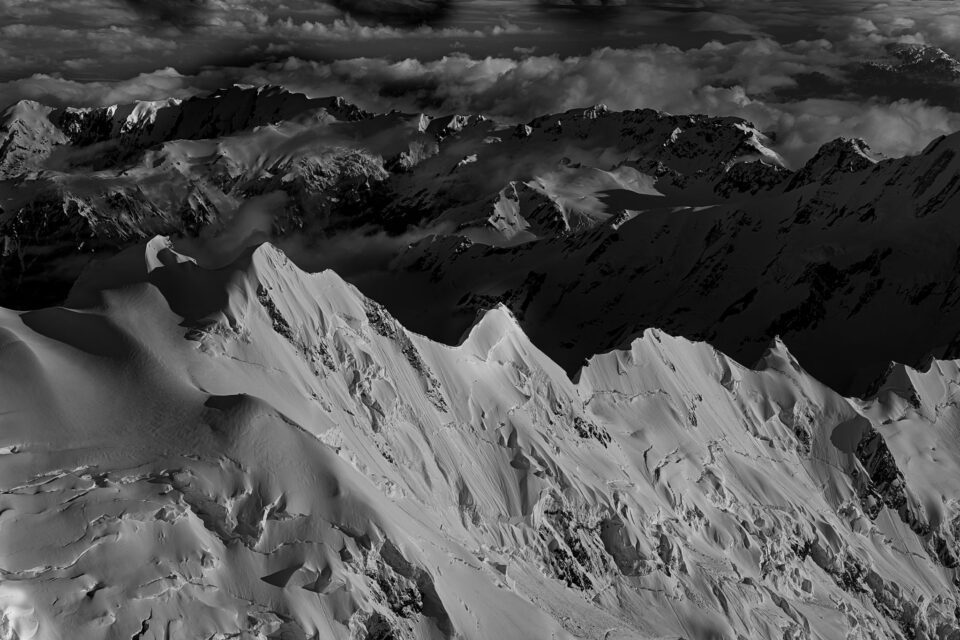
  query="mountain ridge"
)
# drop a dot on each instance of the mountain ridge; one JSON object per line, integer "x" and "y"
{"x": 305, "y": 465}
{"x": 849, "y": 239}
{"x": 99, "y": 184}
{"x": 580, "y": 183}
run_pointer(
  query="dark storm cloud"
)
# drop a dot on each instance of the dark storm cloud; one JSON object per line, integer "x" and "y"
{"x": 397, "y": 12}
{"x": 97, "y": 38}
{"x": 738, "y": 79}
{"x": 742, "y": 79}
{"x": 789, "y": 66}
{"x": 799, "y": 19}
{"x": 580, "y": 9}
{"x": 179, "y": 13}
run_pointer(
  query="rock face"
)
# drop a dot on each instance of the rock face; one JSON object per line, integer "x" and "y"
{"x": 590, "y": 225}
{"x": 74, "y": 182}
{"x": 816, "y": 259}
{"x": 80, "y": 181}
{"x": 259, "y": 452}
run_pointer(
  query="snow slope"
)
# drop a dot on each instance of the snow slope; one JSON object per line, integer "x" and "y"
{"x": 259, "y": 452}
{"x": 852, "y": 259}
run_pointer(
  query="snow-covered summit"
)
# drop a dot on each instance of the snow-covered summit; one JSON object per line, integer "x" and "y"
{"x": 289, "y": 460}
{"x": 222, "y": 113}
{"x": 927, "y": 62}
{"x": 26, "y": 132}
{"x": 839, "y": 156}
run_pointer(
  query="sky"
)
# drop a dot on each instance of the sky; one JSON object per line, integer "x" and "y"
{"x": 793, "y": 68}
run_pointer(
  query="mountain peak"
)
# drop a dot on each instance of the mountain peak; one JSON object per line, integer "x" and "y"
{"x": 266, "y": 257}
{"x": 159, "y": 252}
{"x": 836, "y": 158}
{"x": 491, "y": 324}
{"x": 925, "y": 58}
{"x": 778, "y": 358}
{"x": 27, "y": 116}
{"x": 24, "y": 109}
{"x": 497, "y": 330}
{"x": 26, "y": 137}
{"x": 261, "y": 90}
{"x": 919, "y": 65}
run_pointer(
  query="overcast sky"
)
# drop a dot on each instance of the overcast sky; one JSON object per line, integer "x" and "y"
{"x": 792, "y": 67}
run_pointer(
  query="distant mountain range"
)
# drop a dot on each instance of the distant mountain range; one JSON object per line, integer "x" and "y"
{"x": 590, "y": 225}
{"x": 904, "y": 72}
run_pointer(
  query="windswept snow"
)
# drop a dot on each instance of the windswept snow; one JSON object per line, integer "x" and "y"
{"x": 260, "y": 452}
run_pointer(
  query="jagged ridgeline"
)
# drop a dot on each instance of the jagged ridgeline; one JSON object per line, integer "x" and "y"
{"x": 591, "y": 225}
{"x": 258, "y": 452}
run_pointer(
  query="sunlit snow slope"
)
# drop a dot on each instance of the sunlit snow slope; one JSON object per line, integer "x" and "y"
{"x": 257, "y": 452}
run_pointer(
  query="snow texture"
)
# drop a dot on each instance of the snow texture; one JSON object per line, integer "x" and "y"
{"x": 258, "y": 452}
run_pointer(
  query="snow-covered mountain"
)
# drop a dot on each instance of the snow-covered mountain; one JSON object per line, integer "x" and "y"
{"x": 816, "y": 259}
{"x": 28, "y": 133}
{"x": 258, "y": 452}
{"x": 908, "y": 71}
{"x": 141, "y": 125}
{"x": 94, "y": 180}
{"x": 924, "y": 63}
{"x": 77, "y": 181}
{"x": 590, "y": 225}
{"x": 897, "y": 71}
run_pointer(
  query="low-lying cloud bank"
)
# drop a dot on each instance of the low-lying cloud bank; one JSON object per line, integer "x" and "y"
{"x": 791, "y": 67}
{"x": 715, "y": 80}
{"x": 741, "y": 78}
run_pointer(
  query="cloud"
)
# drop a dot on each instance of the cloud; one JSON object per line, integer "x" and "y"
{"x": 737, "y": 79}
{"x": 398, "y": 12}
{"x": 720, "y": 22}
{"x": 788, "y": 65}
{"x": 353, "y": 253}
{"x": 348, "y": 29}
{"x": 748, "y": 78}
{"x": 249, "y": 225}
{"x": 350, "y": 252}
{"x": 111, "y": 38}
{"x": 894, "y": 129}
{"x": 58, "y": 91}
{"x": 115, "y": 38}
{"x": 180, "y": 13}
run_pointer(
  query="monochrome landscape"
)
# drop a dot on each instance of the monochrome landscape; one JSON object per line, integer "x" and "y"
{"x": 395, "y": 319}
